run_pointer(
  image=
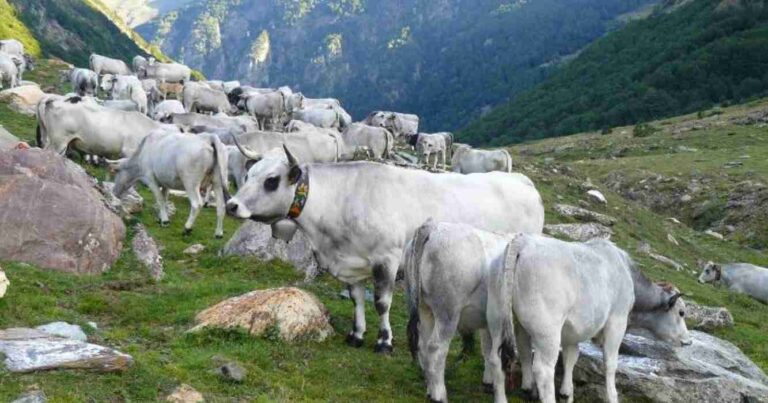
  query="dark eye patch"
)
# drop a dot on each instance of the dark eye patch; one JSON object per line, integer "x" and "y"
{"x": 272, "y": 183}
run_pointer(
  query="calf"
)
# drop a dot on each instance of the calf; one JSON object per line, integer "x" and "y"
{"x": 169, "y": 160}
{"x": 742, "y": 278}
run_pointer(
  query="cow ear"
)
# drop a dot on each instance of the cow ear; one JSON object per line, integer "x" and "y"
{"x": 673, "y": 300}
{"x": 249, "y": 163}
{"x": 294, "y": 174}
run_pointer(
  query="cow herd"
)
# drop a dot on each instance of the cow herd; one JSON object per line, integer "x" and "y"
{"x": 468, "y": 242}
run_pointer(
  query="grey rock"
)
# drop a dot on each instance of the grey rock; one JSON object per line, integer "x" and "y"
{"x": 579, "y": 232}
{"x": 7, "y": 140}
{"x": 583, "y": 214}
{"x": 255, "y": 239}
{"x": 64, "y": 329}
{"x": 130, "y": 203}
{"x": 29, "y": 350}
{"x": 34, "y": 396}
{"x": 597, "y": 196}
{"x": 195, "y": 249}
{"x": 232, "y": 371}
{"x": 645, "y": 248}
{"x": 708, "y": 318}
{"x": 146, "y": 251}
{"x": 709, "y": 370}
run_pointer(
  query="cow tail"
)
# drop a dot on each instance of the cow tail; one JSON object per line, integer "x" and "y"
{"x": 500, "y": 310}
{"x": 413, "y": 255}
{"x": 38, "y": 136}
{"x": 509, "y": 161}
{"x": 220, "y": 160}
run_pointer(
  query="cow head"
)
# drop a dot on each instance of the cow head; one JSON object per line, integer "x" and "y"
{"x": 427, "y": 145}
{"x": 108, "y": 82}
{"x": 269, "y": 187}
{"x": 711, "y": 273}
{"x": 30, "y": 61}
{"x": 125, "y": 176}
{"x": 667, "y": 320}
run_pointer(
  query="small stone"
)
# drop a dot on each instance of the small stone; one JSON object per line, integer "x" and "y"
{"x": 597, "y": 196}
{"x": 33, "y": 396}
{"x": 185, "y": 394}
{"x": 714, "y": 234}
{"x": 194, "y": 249}
{"x": 672, "y": 239}
{"x": 146, "y": 251}
{"x": 232, "y": 371}
{"x": 686, "y": 198}
{"x": 64, "y": 329}
{"x": 674, "y": 220}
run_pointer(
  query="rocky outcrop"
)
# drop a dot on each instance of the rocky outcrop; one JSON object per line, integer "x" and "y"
{"x": 297, "y": 314}
{"x": 709, "y": 370}
{"x": 51, "y": 215}
{"x": 23, "y": 99}
{"x": 708, "y": 318}
{"x": 583, "y": 214}
{"x": 146, "y": 251}
{"x": 255, "y": 239}
{"x": 579, "y": 232}
{"x": 28, "y": 350}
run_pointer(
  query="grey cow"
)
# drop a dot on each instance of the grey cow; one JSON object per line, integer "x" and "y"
{"x": 743, "y": 278}
{"x": 467, "y": 160}
{"x": 564, "y": 293}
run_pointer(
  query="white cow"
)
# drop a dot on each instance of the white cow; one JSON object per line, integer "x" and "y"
{"x": 105, "y": 65}
{"x": 90, "y": 128}
{"x": 9, "y": 71}
{"x": 84, "y": 82}
{"x": 467, "y": 160}
{"x": 358, "y": 216}
{"x": 201, "y": 98}
{"x": 165, "y": 109}
{"x": 742, "y": 278}
{"x": 166, "y": 160}
{"x": 564, "y": 293}
{"x": 376, "y": 140}
{"x": 327, "y": 118}
{"x": 165, "y": 72}
{"x": 128, "y": 88}
{"x": 266, "y": 107}
{"x": 436, "y": 144}
{"x": 400, "y": 124}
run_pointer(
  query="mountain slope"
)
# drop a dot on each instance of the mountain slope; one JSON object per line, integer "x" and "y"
{"x": 687, "y": 56}
{"x": 73, "y": 29}
{"x": 137, "y": 12}
{"x": 12, "y": 27}
{"x": 446, "y": 60}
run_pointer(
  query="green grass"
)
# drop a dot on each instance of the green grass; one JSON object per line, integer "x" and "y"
{"x": 149, "y": 320}
{"x": 12, "y": 27}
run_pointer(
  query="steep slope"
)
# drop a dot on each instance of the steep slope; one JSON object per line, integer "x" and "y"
{"x": 73, "y": 29}
{"x": 137, "y": 12}
{"x": 689, "y": 55}
{"x": 446, "y": 60}
{"x": 11, "y": 27}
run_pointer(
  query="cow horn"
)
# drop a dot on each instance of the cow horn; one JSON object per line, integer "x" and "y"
{"x": 291, "y": 159}
{"x": 245, "y": 151}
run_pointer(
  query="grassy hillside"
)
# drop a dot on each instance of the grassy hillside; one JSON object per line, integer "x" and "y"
{"x": 684, "y": 58}
{"x": 149, "y": 320}
{"x": 11, "y": 27}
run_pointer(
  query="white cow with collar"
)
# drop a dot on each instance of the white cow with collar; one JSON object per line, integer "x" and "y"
{"x": 742, "y": 278}
{"x": 358, "y": 216}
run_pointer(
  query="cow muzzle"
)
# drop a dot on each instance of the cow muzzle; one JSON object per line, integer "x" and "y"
{"x": 236, "y": 209}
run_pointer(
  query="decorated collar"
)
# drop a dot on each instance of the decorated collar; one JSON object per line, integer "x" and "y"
{"x": 300, "y": 197}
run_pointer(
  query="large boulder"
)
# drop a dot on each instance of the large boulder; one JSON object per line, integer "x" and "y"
{"x": 29, "y": 350}
{"x": 53, "y": 217}
{"x": 297, "y": 314}
{"x": 255, "y": 239}
{"x": 23, "y": 99}
{"x": 709, "y": 370}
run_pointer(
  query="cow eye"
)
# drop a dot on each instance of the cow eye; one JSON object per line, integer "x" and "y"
{"x": 272, "y": 183}
{"x": 682, "y": 314}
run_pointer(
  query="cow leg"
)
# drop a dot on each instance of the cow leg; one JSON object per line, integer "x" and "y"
{"x": 218, "y": 192}
{"x": 357, "y": 293}
{"x": 546, "y": 343}
{"x": 525, "y": 352}
{"x": 195, "y": 204}
{"x": 437, "y": 351}
{"x": 570, "y": 355}
{"x": 492, "y": 355}
{"x": 485, "y": 346}
{"x": 426, "y": 327}
{"x": 161, "y": 197}
{"x": 384, "y": 286}
{"x": 443, "y": 155}
{"x": 613, "y": 333}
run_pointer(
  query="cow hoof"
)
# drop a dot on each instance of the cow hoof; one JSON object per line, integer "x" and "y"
{"x": 488, "y": 388}
{"x": 219, "y": 236}
{"x": 187, "y": 232}
{"x": 529, "y": 395}
{"x": 562, "y": 396}
{"x": 431, "y": 400}
{"x": 165, "y": 224}
{"x": 354, "y": 341}
{"x": 382, "y": 348}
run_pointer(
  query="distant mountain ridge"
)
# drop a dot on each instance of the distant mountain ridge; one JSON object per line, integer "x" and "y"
{"x": 687, "y": 56}
{"x": 448, "y": 61}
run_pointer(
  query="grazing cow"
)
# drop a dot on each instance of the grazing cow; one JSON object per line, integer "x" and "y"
{"x": 127, "y": 88}
{"x": 446, "y": 273}
{"x": 23, "y": 64}
{"x": 376, "y": 140}
{"x": 467, "y": 160}
{"x": 400, "y": 124}
{"x": 169, "y": 160}
{"x": 358, "y": 216}
{"x": 9, "y": 71}
{"x": 165, "y": 109}
{"x": 324, "y": 118}
{"x": 90, "y": 128}
{"x": 12, "y": 47}
{"x": 266, "y": 107}
{"x": 84, "y": 82}
{"x": 564, "y": 293}
{"x": 742, "y": 278}
{"x": 105, "y": 65}
{"x": 436, "y": 144}
{"x": 164, "y": 73}
{"x": 200, "y": 98}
